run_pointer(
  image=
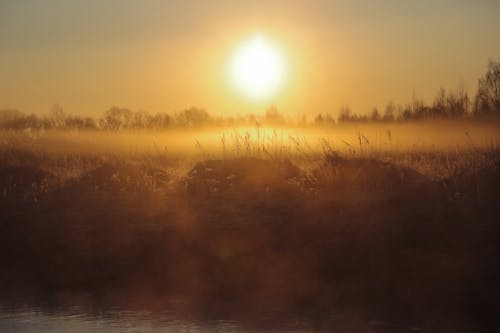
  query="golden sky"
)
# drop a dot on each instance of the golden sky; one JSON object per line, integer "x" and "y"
{"x": 88, "y": 55}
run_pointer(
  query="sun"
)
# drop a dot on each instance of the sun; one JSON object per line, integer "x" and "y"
{"x": 257, "y": 68}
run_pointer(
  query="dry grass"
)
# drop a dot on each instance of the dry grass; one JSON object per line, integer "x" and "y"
{"x": 255, "y": 222}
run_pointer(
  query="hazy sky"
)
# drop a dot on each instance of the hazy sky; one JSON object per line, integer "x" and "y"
{"x": 156, "y": 55}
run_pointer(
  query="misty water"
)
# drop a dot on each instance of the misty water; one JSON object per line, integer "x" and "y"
{"x": 42, "y": 319}
{"x": 113, "y": 320}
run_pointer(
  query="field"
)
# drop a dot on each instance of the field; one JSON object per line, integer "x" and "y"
{"x": 387, "y": 227}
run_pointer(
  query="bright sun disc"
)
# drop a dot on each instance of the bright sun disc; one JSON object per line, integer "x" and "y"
{"x": 257, "y": 68}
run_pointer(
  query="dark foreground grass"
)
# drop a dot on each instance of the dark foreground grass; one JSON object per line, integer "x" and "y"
{"x": 359, "y": 239}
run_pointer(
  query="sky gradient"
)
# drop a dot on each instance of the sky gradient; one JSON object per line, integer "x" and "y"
{"x": 88, "y": 55}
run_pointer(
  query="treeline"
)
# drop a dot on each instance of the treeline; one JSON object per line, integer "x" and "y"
{"x": 118, "y": 118}
{"x": 115, "y": 118}
{"x": 447, "y": 105}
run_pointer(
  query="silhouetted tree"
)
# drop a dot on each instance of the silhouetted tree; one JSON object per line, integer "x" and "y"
{"x": 345, "y": 114}
{"x": 389, "y": 113}
{"x": 192, "y": 117}
{"x": 417, "y": 108}
{"x": 487, "y": 101}
{"x": 439, "y": 104}
{"x": 375, "y": 115}
{"x": 457, "y": 104}
{"x": 116, "y": 118}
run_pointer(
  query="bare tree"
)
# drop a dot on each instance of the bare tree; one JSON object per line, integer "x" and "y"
{"x": 487, "y": 101}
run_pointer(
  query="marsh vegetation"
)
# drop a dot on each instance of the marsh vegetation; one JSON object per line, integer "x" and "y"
{"x": 377, "y": 227}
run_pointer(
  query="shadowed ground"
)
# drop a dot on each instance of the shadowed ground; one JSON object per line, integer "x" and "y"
{"x": 355, "y": 238}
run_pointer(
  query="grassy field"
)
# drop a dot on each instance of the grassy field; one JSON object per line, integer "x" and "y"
{"x": 371, "y": 223}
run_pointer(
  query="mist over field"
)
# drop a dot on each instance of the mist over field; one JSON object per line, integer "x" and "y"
{"x": 249, "y": 166}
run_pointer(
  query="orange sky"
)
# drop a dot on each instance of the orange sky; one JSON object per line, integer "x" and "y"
{"x": 88, "y": 55}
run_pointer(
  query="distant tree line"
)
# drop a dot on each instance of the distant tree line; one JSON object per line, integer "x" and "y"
{"x": 115, "y": 118}
{"x": 118, "y": 118}
{"x": 447, "y": 105}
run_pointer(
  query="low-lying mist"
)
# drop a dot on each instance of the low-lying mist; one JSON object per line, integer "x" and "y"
{"x": 359, "y": 138}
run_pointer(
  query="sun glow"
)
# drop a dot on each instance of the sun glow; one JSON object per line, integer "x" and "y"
{"x": 257, "y": 68}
